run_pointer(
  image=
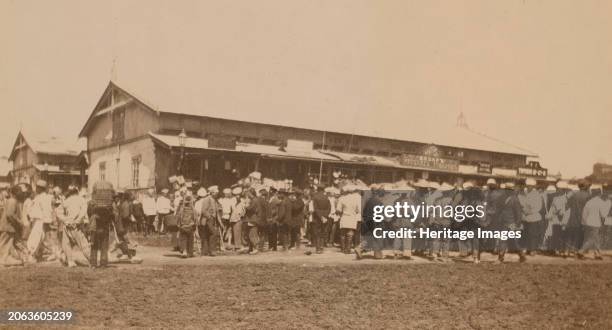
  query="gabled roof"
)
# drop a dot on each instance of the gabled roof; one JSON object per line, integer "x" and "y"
{"x": 50, "y": 145}
{"x": 190, "y": 101}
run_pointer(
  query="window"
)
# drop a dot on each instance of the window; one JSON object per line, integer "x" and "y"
{"x": 136, "y": 170}
{"x": 102, "y": 170}
{"x": 118, "y": 125}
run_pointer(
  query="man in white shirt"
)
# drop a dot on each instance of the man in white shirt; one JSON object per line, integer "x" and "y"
{"x": 149, "y": 208}
{"x": 593, "y": 216}
{"x": 41, "y": 215}
{"x": 164, "y": 208}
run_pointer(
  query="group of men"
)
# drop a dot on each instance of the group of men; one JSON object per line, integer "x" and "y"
{"x": 45, "y": 224}
{"x": 562, "y": 219}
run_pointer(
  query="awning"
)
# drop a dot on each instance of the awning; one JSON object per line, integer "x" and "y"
{"x": 327, "y": 156}
{"x": 364, "y": 159}
{"x": 54, "y": 170}
{"x": 241, "y": 147}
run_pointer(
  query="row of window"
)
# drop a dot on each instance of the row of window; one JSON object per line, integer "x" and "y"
{"x": 135, "y": 171}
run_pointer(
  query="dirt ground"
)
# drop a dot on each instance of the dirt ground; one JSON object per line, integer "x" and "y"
{"x": 332, "y": 290}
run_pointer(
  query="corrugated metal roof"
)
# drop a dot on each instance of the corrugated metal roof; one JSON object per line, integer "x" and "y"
{"x": 191, "y": 101}
{"x": 266, "y": 150}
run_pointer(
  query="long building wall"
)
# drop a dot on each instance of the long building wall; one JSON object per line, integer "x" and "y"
{"x": 121, "y": 173}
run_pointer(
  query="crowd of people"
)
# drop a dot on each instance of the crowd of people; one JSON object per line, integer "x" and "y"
{"x": 254, "y": 216}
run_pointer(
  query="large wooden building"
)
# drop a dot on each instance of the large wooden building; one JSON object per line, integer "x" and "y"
{"x": 136, "y": 145}
{"x": 54, "y": 160}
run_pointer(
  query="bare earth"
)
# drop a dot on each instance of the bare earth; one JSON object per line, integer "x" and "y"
{"x": 293, "y": 290}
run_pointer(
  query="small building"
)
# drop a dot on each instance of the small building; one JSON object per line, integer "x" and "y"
{"x": 135, "y": 144}
{"x": 602, "y": 173}
{"x": 5, "y": 171}
{"x": 54, "y": 160}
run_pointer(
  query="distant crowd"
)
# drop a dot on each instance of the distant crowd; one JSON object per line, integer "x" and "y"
{"x": 44, "y": 223}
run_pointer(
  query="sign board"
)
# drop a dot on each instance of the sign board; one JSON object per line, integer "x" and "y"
{"x": 429, "y": 162}
{"x": 484, "y": 168}
{"x": 300, "y": 145}
{"x": 533, "y": 169}
{"x": 221, "y": 141}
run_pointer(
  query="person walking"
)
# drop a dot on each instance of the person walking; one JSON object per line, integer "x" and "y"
{"x": 100, "y": 211}
{"x": 532, "y": 204}
{"x": 593, "y": 216}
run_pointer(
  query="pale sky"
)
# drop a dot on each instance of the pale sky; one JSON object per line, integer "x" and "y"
{"x": 537, "y": 74}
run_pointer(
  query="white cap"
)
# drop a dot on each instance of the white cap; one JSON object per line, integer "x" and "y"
{"x": 446, "y": 187}
{"x": 237, "y": 191}
{"x": 202, "y": 192}
{"x": 551, "y": 188}
{"x": 562, "y": 185}
{"x": 165, "y": 191}
{"x": 491, "y": 181}
{"x": 421, "y": 183}
{"x": 530, "y": 182}
{"x": 227, "y": 191}
{"x": 213, "y": 189}
{"x": 468, "y": 184}
{"x": 255, "y": 175}
{"x": 510, "y": 185}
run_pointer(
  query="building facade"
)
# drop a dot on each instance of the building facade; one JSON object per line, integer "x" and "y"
{"x": 135, "y": 146}
{"x": 51, "y": 159}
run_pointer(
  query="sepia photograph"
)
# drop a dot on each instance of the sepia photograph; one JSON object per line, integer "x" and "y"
{"x": 306, "y": 164}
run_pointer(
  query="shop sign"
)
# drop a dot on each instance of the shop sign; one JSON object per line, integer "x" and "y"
{"x": 533, "y": 169}
{"x": 221, "y": 141}
{"x": 484, "y": 168}
{"x": 429, "y": 162}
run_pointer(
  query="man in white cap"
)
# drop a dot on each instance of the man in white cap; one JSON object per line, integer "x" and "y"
{"x": 227, "y": 201}
{"x": 164, "y": 208}
{"x": 557, "y": 216}
{"x": 150, "y": 211}
{"x": 236, "y": 217}
{"x": 208, "y": 225}
{"x": 41, "y": 215}
{"x": 593, "y": 216}
{"x": 532, "y": 204}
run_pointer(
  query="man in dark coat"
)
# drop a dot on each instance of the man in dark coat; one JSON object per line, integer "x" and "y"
{"x": 320, "y": 215}
{"x": 296, "y": 219}
{"x": 10, "y": 222}
{"x": 510, "y": 218}
{"x": 573, "y": 229}
{"x": 256, "y": 215}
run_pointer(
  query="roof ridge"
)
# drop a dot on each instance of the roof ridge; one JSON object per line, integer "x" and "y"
{"x": 499, "y": 140}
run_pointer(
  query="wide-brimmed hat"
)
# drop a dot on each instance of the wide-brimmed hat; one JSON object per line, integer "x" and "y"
{"x": 421, "y": 183}
{"x": 446, "y": 187}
